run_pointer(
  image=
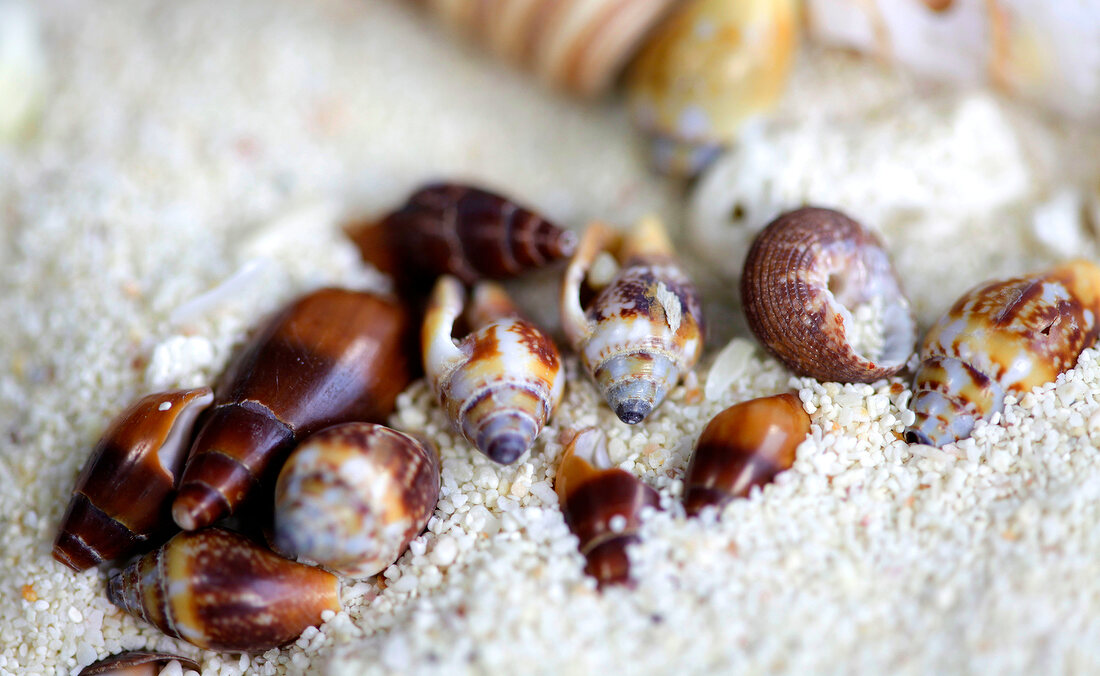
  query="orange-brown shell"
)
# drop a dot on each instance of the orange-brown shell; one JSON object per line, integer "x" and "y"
{"x": 136, "y": 663}
{"x": 220, "y": 591}
{"x": 745, "y": 445}
{"x": 804, "y": 276}
{"x": 120, "y": 503}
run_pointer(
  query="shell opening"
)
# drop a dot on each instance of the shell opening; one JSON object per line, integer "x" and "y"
{"x": 877, "y": 321}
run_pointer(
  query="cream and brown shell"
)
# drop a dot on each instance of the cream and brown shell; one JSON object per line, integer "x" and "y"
{"x": 805, "y": 276}
{"x": 136, "y": 663}
{"x": 1004, "y": 336}
{"x": 351, "y": 497}
{"x": 642, "y": 331}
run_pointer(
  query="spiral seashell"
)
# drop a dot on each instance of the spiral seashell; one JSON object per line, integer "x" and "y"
{"x": 601, "y": 506}
{"x": 331, "y": 356}
{"x": 644, "y": 329}
{"x": 1000, "y": 337}
{"x": 221, "y": 591}
{"x": 745, "y": 445}
{"x": 121, "y": 499}
{"x": 709, "y": 67}
{"x": 502, "y": 382}
{"x": 351, "y": 497}
{"x": 136, "y": 663}
{"x": 580, "y": 46}
{"x": 447, "y": 228}
{"x": 805, "y": 275}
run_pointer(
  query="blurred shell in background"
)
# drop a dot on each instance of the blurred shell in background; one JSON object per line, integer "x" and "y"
{"x": 22, "y": 69}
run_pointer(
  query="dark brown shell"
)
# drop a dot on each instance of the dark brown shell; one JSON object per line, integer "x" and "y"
{"x": 448, "y": 228}
{"x": 221, "y": 591}
{"x": 120, "y": 504}
{"x": 804, "y": 275}
{"x": 127, "y": 664}
{"x": 590, "y": 498}
{"x": 746, "y": 445}
{"x": 332, "y": 356}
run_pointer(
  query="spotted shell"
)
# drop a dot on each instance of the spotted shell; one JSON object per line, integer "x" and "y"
{"x": 745, "y": 445}
{"x": 601, "y": 506}
{"x": 120, "y": 502}
{"x": 502, "y": 382}
{"x": 220, "y": 591}
{"x": 644, "y": 329}
{"x": 805, "y": 276}
{"x": 351, "y": 497}
{"x": 136, "y": 663}
{"x": 1001, "y": 337}
{"x": 709, "y": 67}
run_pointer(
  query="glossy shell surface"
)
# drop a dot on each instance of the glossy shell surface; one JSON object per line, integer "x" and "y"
{"x": 501, "y": 383}
{"x": 805, "y": 275}
{"x": 136, "y": 663}
{"x": 331, "y": 356}
{"x": 120, "y": 503}
{"x": 745, "y": 445}
{"x": 1001, "y": 337}
{"x": 353, "y": 496}
{"x": 220, "y": 591}
{"x": 709, "y": 67}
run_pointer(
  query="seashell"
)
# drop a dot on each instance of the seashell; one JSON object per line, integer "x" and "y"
{"x": 351, "y": 497}
{"x": 712, "y": 65}
{"x": 745, "y": 445}
{"x": 642, "y": 331}
{"x": 502, "y": 382}
{"x": 331, "y": 356}
{"x": 136, "y": 663}
{"x": 1001, "y": 337}
{"x": 447, "y": 228}
{"x": 601, "y": 506}
{"x": 805, "y": 275}
{"x": 580, "y": 46}
{"x": 221, "y": 591}
{"x": 121, "y": 499}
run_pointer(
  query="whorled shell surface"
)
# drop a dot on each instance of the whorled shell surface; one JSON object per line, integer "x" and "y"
{"x": 136, "y": 663}
{"x": 220, "y": 591}
{"x": 502, "y": 382}
{"x": 745, "y": 445}
{"x": 644, "y": 330}
{"x": 351, "y": 497}
{"x": 121, "y": 499}
{"x": 804, "y": 276}
{"x": 1000, "y": 337}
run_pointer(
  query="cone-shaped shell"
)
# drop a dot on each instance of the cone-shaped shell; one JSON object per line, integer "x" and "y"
{"x": 120, "y": 503}
{"x": 805, "y": 275}
{"x": 331, "y": 356}
{"x": 641, "y": 332}
{"x": 353, "y": 496}
{"x": 745, "y": 445}
{"x": 1001, "y": 337}
{"x": 220, "y": 591}
{"x": 502, "y": 382}
{"x": 136, "y": 663}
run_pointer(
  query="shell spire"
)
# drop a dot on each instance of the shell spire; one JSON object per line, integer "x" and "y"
{"x": 642, "y": 331}
{"x": 502, "y": 382}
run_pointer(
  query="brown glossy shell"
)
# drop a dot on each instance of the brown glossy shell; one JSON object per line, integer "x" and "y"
{"x": 136, "y": 662}
{"x": 804, "y": 276}
{"x": 448, "y": 228}
{"x": 332, "y": 356}
{"x": 591, "y": 498}
{"x": 353, "y": 496}
{"x": 745, "y": 445}
{"x": 1005, "y": 336}
{"x": 220, "y": 591}
{"x": 120, "y": 503}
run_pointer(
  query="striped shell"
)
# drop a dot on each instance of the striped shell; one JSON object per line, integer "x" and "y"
{"x": 580, "y": 46}
{"x": 351, "y": 497}
{"x": 805, "y": 276}
{"x": 502, "y": 382}
{"x": 220, "y": 591}
{"x": 601, "y": 506}
{"x": 644, "y": 329}
{"x": 120, "y": 502}
{"x": 1001, "y": 337}
{"x": 136, "y": 663}
{"x": 708, "y": 68}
